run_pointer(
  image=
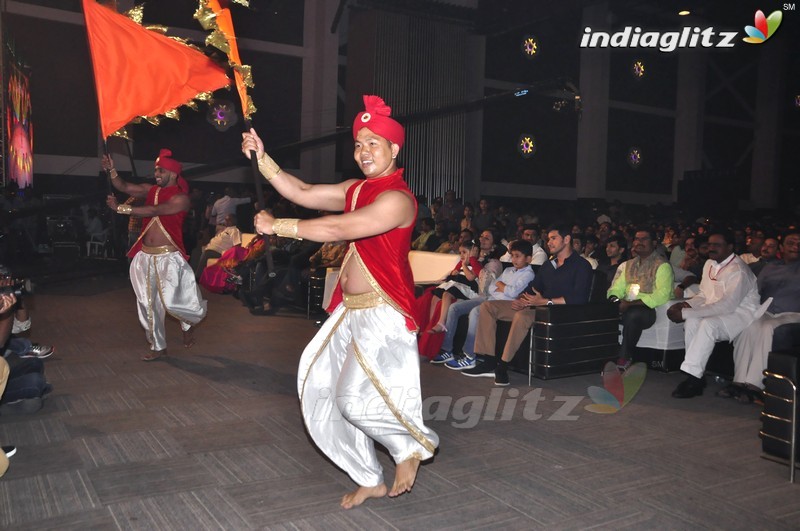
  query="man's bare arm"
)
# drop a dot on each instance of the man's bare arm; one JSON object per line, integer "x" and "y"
{"x": 135, "y": 190}
{"x": 390, "y": 210}
{"x": 329, "y": 197}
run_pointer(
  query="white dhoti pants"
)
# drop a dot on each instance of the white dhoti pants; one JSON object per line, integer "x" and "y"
{"x": 164, "y": 284}
{"x": 701, "y": 334}
{"x": 358, "y": 382}
{"x": 751, "y": 349}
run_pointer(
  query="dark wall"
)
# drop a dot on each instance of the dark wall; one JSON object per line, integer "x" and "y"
{"x": 555, "y": 132}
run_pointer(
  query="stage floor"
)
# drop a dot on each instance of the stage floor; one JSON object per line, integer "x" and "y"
{"x": 212, "y": 438}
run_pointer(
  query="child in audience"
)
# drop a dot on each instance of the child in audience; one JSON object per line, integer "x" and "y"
{"x": 461, "y": 284}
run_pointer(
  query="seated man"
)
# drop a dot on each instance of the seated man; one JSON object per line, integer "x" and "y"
{"x": 566, "y": 279}
{"x": 427, "y": 239}
{"x": 508, "y": 287}
{"x": 530, "y": 232}
{"x": 590, "y": 245}
{"x": 229, "y": 237}
{"x": 691, "y": 268}
{"x": 727, "y": 303}
{"x": 616, "y": 251}
{"x": 579, "y": 246}
{"x": 21, "y": 322}
{"x": 754, "y": 242}
{"x": 769, "y": 255}
{"x": 773, "y": 330}
{"x": 641, "y": 284}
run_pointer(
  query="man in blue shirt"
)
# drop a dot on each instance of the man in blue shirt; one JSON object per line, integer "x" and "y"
{"x": 565, "y": 279}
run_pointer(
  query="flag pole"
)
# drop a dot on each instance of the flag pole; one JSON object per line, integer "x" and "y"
{"x": 257, "y": 178}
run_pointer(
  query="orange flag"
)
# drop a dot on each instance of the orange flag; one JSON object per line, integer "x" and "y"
{"x": 139, "y": 72}
{"x": 224, "y": 38}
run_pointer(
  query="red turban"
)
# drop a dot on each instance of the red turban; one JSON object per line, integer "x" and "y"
{"x": 166, "y": 161}
{"x": 376, "y": 117}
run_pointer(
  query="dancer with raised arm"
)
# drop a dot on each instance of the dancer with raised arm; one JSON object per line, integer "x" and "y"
{"x": 160, "y": 275}
{"x": 358, "y": 379}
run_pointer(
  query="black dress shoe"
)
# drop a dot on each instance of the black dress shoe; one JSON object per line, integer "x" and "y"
{"x": 690, "y": 387}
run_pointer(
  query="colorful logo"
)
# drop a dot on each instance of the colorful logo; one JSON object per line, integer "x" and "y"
{"x": 619, "y": 388}
{"x": 764, "y": 27}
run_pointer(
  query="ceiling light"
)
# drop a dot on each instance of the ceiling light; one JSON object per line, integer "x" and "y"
{"x": 684, "y": 12}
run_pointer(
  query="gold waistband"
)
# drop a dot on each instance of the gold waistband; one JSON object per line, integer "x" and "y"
{"x": 361, "y": 301}
{"x": 161, "y": 249}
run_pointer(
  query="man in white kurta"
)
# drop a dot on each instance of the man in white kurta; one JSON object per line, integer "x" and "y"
{"x": 781, "y": 283}
{"x": 727, "y": 303}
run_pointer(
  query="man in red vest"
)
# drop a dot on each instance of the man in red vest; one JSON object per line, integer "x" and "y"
{"x": 160, "y": 275}
{"x": 359, "y": 377}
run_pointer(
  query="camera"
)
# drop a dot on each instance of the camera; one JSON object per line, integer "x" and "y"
{"x": 17, "y": 287}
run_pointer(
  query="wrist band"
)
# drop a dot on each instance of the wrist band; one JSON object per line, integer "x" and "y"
{"x": 268, "y": 167}
{"x": 286, "y": 227}
{"x": 124, "y": 209}
{"x": 113, "y": 173}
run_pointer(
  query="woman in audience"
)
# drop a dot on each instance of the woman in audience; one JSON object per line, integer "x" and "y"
{"x": 466, "y": 221}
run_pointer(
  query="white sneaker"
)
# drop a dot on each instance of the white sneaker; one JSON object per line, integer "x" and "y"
{"x": 38, "y": 351}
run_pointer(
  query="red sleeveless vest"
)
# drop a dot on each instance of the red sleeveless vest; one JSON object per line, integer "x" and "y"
{"x": 172, "y": 225}
{"x": 385, "y": 255}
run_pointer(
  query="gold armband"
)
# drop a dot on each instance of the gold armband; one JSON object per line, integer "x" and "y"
{"x": 124, "y": 209}
{"x": 286, "y": 227}
{"x": 268, "y": 168}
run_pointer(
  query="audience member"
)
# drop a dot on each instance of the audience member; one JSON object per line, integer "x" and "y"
{"x": 616, "y": 250}
{"x": 578, "y": 245}
{"x": 221, "y": 242}
{"x": 566, "y": 279}
{"x": 508, "y": 287}
{"x": 467, "y": 220}
{"x": 460, "y": 284}
{"x": 642, "y": 283}
{"x": 223, "y": 206}
{"x": 727, "y": 303}
{"x": 427, "y": 240}
{"x": 691, "y": 270}
{"x": 484, "y": 219}
{"x": 4, "y": 370}
{"x": 753, "y": 243}
{"x": 777, "y": 329}
{"x": 450, "y": 212}
{"x": 768, "y": 255}
{"x": 530, "y": 233}
{"x": 590, "y": 245}
{"x": 488, "y": 256}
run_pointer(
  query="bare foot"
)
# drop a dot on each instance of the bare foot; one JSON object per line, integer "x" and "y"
{"x": 437, "y": 329}
{"x": 153, "y": 355}
{"x": 404, "y": 477}
{"x": 188, "y": 337}
{"x": 362, "y": 494}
